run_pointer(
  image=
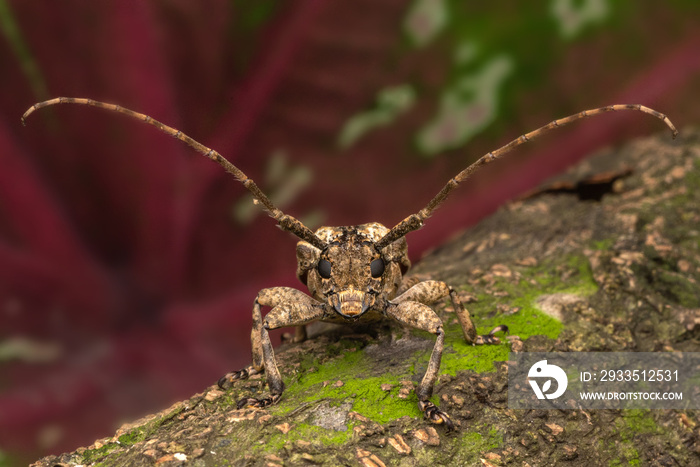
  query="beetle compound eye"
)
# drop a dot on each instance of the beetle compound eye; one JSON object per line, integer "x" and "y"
{"x": 324, "y": 268}
{"x": 377, "y": 267}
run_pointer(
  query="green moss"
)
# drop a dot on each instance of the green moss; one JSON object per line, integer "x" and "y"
{"x": 492, "y": 440}
{"x": 626, "y": 453}
{"x": 382, "y": 406}
{"x": 586, "y": 285}
{"x": 683, "y": 291}
{"x": 535, "y": 281}
{"x": 326, "y": 437}
{"x": 134, "y": 436}
{"x": 638, "y": 421}
{"x": 603, "y": 245}
{"x": 93, "y": 455}
{"x": 459, "y": 356}
{"x": 229, "y": 400}
{"x": 631, "y": 424}
{"x": 303, "y": 431}
{"x": 528, "y": 321}
{"x": 474, "y": 443}
{"x": 353, "y": 368}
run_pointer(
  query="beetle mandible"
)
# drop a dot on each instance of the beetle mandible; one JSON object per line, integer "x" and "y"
{"x": 353, "y": 273}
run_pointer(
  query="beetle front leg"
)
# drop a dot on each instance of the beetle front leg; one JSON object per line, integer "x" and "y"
{"x": 429, "y": 292}
{"x": 272, "y": 297}
{"x": 258, "y": 365}
{"x": 290, "y": 307}
{"x": 423, "y": 317}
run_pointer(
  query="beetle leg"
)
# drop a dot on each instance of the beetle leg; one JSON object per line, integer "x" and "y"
{"x": 258, "y": 366}
{"x": 428, "y": 292}
{"x": 271, "y": 297}
{"x": 423, "y": 317}
{"x": 228, "y": 379}
{"x": 290, "y": 307}
{"x": 299, "y": 335}
{"x": 408, "y": 282}
{"x": 490, "y": 338}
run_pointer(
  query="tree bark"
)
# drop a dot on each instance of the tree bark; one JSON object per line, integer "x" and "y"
{"x": 606, "y": 258}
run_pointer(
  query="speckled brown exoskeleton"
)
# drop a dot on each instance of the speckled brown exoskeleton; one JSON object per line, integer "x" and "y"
{"x": 353, "y": 273}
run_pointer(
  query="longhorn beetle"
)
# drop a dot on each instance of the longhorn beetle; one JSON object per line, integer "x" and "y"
{"x": 353, "y": 273}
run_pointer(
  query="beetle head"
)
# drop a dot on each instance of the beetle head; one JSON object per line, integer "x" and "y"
{"x": 350, "y": 273}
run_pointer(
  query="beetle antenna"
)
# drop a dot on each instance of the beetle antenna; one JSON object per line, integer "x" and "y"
{"x": 285, "y": 221}
{"x": 415, "y": 221}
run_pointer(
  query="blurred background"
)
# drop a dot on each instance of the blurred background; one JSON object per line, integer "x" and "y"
{"x": 129, "y": 263}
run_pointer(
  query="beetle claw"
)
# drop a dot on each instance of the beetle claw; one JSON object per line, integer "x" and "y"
{"x": 258, "y": 403}
{"x": 490, "y": 338}
{"x": 435, "y": 415}
{"x": 226, "y": 381}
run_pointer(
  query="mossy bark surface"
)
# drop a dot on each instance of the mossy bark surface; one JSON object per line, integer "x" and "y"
{"x": 605, "y": 259}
